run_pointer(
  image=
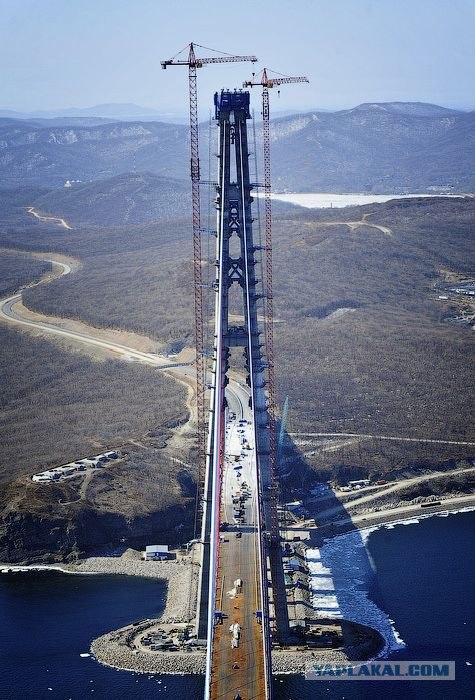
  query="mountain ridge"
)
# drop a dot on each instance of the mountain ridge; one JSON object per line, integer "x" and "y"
{"x": 384, "y": 147}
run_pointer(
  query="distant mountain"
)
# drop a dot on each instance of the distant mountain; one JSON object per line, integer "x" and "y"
{"x": 52, "y": 155}
{"x": 385, "y": 147}
{"x": 109, "y": 112}
{"x": 390, "y": 147}
{"x": 57, "y": 121}
{"x": 130, "y": 198}
{"x": 414, "y": 109}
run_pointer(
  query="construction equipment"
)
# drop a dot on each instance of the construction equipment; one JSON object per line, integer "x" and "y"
{"x": 235, "y": 630}
{"x": 265, "y": 82}
{"x": 193, "y": 64}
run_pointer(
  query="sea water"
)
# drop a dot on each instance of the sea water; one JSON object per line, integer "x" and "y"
{"x": 418, "y": 585}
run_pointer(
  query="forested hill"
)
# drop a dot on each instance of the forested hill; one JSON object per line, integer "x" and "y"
{"x": 383, "y": 147}
{"x": 51, "y": 155}
{"x": 131, "y": 198}
{"x": 393, "y": 147}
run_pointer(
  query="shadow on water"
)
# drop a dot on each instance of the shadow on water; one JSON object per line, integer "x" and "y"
{"x": 416, "y": 578}
{"x": 341, "y": 573}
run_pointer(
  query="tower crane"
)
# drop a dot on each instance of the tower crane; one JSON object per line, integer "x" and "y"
{"x": 193, "y": 63}
{"x": 266, "y": 83}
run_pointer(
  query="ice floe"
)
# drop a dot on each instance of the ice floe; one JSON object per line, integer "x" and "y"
{"x": 340, "y": 578}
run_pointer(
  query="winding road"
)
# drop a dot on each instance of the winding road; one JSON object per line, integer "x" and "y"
{"x": 53, "y": 219}
{"x": 10, "y": 312}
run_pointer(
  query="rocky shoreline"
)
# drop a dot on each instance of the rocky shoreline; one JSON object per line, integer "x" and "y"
{"x": 116, "y": 648}
{"x": 119, "y": 648}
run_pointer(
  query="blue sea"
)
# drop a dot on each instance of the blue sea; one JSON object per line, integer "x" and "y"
{"x": 421, "y": 576}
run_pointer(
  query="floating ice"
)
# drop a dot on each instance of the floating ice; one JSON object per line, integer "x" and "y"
{"x": 322, "y": 583}
{"x": 325, "y": 200}
{"x": 342, "y": 566}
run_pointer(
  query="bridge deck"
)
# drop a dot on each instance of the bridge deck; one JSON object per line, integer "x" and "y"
{"x": 238, "y": 559}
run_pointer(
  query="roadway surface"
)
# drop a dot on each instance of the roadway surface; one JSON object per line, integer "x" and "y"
{"x": 9, "y": 312}
{"x": 238, "y": 669}
{"x": 394, "y": 515}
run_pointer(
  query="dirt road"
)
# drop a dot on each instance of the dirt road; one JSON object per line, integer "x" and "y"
{"x": 53, "y": 219}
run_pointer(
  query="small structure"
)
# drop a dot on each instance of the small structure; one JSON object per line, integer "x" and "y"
{"x": 80, "y": 465}
{"x": 358, "y": 483}
{"x": 156, "y": 552}
{"x": 44, "y": 476}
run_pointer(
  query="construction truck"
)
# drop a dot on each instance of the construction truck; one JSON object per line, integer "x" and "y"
{"x": 235, "y": 630}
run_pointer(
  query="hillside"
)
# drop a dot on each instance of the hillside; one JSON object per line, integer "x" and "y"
{"x": 384, "y": 147}
{"x": 360, "y": 306}
{"x": 363, "y": 345}
{"x": 64, "y": 406}
{"x": 130, "y": 198}
{"x": 375, "y": 148}
{"x": 51, "y": 155}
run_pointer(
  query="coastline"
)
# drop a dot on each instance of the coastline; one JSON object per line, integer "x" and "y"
{"x": 112, "y": 649}
{"x": 180, "y": 576}
{"x": 123, "y": 564}
{"x": 413, "y": 519}
{"x": 392, "y": 516}
{"x": 343, "y": 557}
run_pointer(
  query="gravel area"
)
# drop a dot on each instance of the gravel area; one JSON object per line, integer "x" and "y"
{"x": 112, "y": 650}
{"x": 116, "y": 648}
{"x": 296, "y": 661}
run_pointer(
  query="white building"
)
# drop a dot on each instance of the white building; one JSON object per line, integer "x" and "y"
{"x": 44, "y": 476}
{"x": 156, "y": 552}
{"x": 359, "y": 483}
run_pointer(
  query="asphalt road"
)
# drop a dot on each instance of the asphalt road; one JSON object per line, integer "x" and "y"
{"x": 368, "y": 498}
{"x": 238, "y": 669}
{"x": 8, "y": 312}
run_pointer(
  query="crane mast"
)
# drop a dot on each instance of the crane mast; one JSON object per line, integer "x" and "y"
{"x": 266, "y": 83}
{"x": 193, "y": 64}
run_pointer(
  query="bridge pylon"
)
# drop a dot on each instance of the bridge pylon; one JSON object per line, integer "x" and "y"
{"x": 243, "y": 666}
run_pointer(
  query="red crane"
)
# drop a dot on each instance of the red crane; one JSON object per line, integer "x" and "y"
{"x": 265, "y": 82}
{"x": 193, "y": 64}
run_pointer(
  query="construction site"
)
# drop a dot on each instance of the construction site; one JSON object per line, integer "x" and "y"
{"x": 242, "y": 603}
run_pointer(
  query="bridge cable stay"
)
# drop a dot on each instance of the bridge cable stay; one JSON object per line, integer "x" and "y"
{"x": 260, "y": 519}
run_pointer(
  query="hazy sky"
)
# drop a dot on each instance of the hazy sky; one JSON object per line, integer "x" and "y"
{"x": 63, "y": 53}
